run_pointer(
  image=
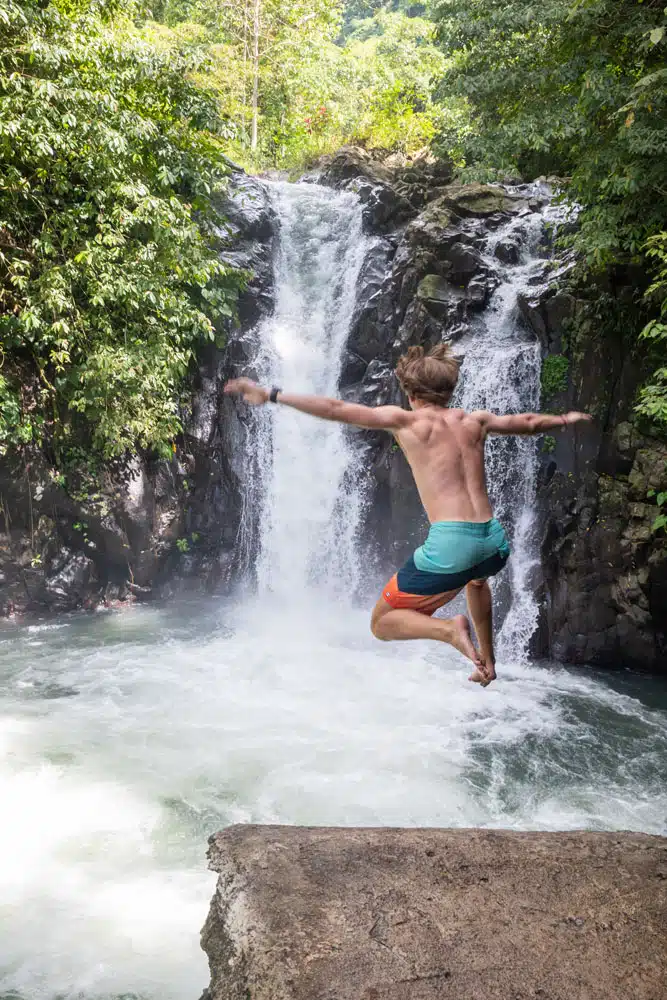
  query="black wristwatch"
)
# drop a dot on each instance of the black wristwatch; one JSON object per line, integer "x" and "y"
{"x": 273, "y": 395}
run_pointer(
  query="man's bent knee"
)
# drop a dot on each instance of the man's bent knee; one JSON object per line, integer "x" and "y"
{"x": 377, "y": 630}
{"x": 379, "y": 611}
{"x": 477, "y": 583}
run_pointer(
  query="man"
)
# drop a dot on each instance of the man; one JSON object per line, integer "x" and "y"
{"x": 445, "y": 450}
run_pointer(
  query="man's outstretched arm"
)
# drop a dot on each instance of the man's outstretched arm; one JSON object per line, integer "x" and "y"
{"x": 528, "y": 423}
{"x": 387, "y": 418}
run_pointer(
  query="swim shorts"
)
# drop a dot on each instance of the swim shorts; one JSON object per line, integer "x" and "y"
{"x": 454, "y": 553}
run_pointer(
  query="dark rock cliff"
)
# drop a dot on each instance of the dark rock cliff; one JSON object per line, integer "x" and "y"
{"x": 604, "y": 567}
{"x": 146, "y": 526}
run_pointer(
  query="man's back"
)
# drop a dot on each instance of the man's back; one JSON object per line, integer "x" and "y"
{"x": 445, "y": 449}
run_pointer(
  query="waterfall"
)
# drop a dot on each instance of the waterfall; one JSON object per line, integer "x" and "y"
{"x": 305, "y": 480}
{"x": 305, "y": 477}
{"x": 501, "y": 373}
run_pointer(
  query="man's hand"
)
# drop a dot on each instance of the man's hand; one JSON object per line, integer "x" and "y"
{"x": 574, "y": 417}
{"x": 251, "y": 392}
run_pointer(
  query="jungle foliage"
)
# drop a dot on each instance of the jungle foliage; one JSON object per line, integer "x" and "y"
{"x": 575, "y": 88}
{"x": 109, "y": 159}
{"x": 116, "y": 117}
{"x": 299, "y": 78}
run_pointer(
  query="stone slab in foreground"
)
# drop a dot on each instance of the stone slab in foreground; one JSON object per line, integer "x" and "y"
{"x": 360, "y": 914}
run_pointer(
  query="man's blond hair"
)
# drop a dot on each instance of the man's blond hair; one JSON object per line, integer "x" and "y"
{"x": 430, "y": 377}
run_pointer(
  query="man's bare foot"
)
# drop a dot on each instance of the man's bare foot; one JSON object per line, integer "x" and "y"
{"x": 461, "y": 639}
{"x": 489, "y": 665}
{"x": 485, "y": 673}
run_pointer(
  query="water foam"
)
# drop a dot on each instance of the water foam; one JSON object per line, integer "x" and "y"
{"x": 173, "y": 724}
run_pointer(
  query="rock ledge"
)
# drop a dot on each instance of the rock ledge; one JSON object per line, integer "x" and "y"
{"x": 365, "y": 914}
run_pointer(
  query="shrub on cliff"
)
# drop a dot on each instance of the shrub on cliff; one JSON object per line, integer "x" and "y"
{"x": 653, "y": 397}
{"x": 109, "y": 278}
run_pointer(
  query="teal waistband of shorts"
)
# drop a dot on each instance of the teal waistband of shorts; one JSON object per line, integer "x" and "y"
{"x": 478, "y": 528}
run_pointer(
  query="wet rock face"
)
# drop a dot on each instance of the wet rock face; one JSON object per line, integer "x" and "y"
{"x": 247, "y": 243}
{"x": 146, "y": 526}
{"x": 392, "y": 191}
{"x": 604, "y": 568}
{"x": 309, "y": 914}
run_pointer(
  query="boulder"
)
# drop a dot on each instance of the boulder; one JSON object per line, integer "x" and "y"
{"x": 392, "y": 188}
{"x": 353, "y": 368}
{"x": 364, "y": 914}
{"x": 384, "y": 207}
{"x": 350, "y": 163}
{"x": 479, "y": 200}
{"x": 246, "y": 242}
{"x": 508, "y": 250}
{"x": 247, "y": 209}
{"x": 440, "y": 298}
{"x": 68, "y": 586}
{"x": 462, "y": 262}
{"x": 479, "y": 291}
{"x": 547, "y": 311}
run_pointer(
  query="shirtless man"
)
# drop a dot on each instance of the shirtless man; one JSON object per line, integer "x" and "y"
{"x": 445, "y": 449}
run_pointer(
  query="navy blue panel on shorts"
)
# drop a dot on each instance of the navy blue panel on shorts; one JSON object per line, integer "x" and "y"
{"x": 416, "y": 581}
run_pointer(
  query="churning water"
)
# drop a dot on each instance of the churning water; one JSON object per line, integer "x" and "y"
{"x": 127, "y": 738}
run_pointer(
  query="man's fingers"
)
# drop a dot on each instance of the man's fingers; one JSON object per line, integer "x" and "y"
{"x": 235, "y": 385}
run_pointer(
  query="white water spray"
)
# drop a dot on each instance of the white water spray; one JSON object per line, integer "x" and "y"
{"x": 501, "y": 373}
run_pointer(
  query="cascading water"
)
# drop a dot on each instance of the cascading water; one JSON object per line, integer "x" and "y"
{"x": 304, "y": 472}
{"x": 501, "y": 373}
{"x": 128, "y": 738}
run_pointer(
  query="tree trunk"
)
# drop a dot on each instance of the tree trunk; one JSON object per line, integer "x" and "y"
{"x": 255, "y": 75}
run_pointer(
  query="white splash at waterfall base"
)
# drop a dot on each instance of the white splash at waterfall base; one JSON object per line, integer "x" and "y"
{"x": 127, "y": 739}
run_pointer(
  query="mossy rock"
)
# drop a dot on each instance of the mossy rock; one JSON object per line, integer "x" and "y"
{"x": 649, "y": 470}
{"x": 479, "y": 200}
{"x": 434, "y": 288}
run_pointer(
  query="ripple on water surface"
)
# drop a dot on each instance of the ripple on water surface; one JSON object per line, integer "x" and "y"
{"x": 127, "y": 738}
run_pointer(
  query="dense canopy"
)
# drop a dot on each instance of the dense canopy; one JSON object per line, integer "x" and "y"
{"x": 116, "y": 119}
